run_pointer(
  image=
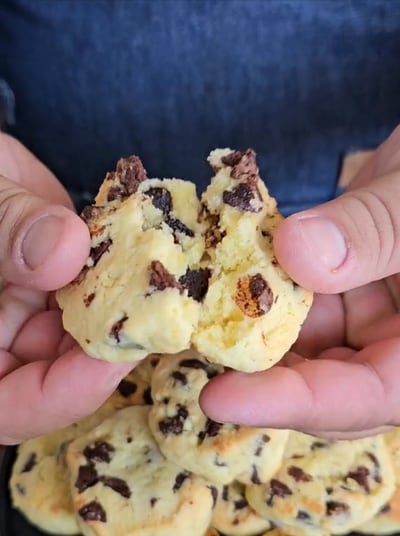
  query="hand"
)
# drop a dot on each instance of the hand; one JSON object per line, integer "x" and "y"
{"x": 342, "y": 378}
{"x": 46, "y": 382}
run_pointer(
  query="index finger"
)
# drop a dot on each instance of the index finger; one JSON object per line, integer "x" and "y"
{"x": 319, "y": 395}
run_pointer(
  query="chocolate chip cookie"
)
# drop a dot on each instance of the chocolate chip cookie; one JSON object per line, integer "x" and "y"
{"x": 219, "y": 452}
{"x": 122, "y": 484}
{"x": 330, "y": 486}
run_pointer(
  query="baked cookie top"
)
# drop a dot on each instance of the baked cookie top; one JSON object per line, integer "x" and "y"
{"x": 329, "y": 486}
{"x": 122, "y": 484}
{"x": 219, "y": 452}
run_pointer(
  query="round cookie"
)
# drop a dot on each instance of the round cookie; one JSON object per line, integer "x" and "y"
{"x": 219, "y": 452}
{"x": 141, "y": 288}
{"x": 387, "y": 520}
{"x": 122, "y": 484}
{"x": 234, "y": 516}
{"x": 252, "y": 312}
{"x": 39, "y": 483}
{"x": 331, "y": 486}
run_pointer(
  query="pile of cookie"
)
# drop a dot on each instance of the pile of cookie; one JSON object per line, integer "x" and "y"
{"x": 188, "y": 287}
{"x": 150, "y": 463}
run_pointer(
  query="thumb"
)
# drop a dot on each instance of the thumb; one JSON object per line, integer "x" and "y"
{"x": 345, "y": 243}
{"x": 42, "y": 245}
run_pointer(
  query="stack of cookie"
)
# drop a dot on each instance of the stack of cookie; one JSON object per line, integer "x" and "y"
{"x": 189, "y": 287}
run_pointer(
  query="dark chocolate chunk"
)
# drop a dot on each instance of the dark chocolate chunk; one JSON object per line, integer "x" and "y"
{"x": 147, "y": 398}
{"x": 128, "y": 175}
{"x": 334, "y": 508}
{"x": 299, "y": 475}
{"x": 196, "y": 283}
{"x": 87, "y": 477}
{"x": 377, "y": 467}
{"x": 161, "y": 198}
{"x": 225, "y": 493}
{"x": 360, "y": 475}
{"x": 240, "y": 504}
{"x": 261, "y": 441}
{"x": 243, "y": 163}
{"x": 180, "y": 479}
{"x": 97, "y": 252}
{"x": 93, "y": 511}
{"x": 127, "y": 388}
{"x": 253, "y": 295}
{"x": 90, "y": 212}
{"x": 160, "y": 278}
{"x": 117, "y": 484}
{"x": 199, "y": 365}
{"x": 180, "y": 377}
{"x": 116, "y": 329}
{"x": 174, "y": 425}
{"x": 153, "y": 501}
{"x": 277, "y": 489}
{"x": 214, "y": 494}
{"x": 211, "y": 429}
{"x": 178, "y": 226}
{"x": 87, "y": 300}
{"x": 244, "y": 197}
{"x": 100, "y": 451}
{"x": 302, "y": 515}
{"x": 254, "y": 476}
{"x": 30, "y": 463}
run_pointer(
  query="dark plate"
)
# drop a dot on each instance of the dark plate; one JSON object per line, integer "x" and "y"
{"x": 11, "y": 522}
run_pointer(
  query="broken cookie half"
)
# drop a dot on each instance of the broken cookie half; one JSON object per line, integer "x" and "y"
{"x": 168, "y": 271}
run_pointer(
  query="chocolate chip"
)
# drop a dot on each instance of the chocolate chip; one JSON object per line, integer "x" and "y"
{"x": 174, "y": 425}
{"x": 147, "y": 398}
{"x": 179, "y": 376}
{"x": 240, "y": 504}
{"x": 97, "y": 252}
{"x": 385, "y": 508}
{"x": 329, "y": 490}
{"x": 178, "y": 226}
{"x": 211, "y": 429}
{"x": 277, "y": 489}
{"x": 377, "y": 467}
{"x": 244, "y": 197}
{"x": 225, "y": 493}
{"x": 180, "y": 479}
{"x": 91, "y": 212}
{"x": 302, "y": 515}
{"x": 243, "y": 163}
{"x": 87, "y": 300}
{"x": 161, "y": 199}
{"x": 261, "y": 441}
{"x": 336, "y": 508}
{"x": 117, "y": 484}
{"x": 30, "y": 463}
{"x": 318, "y": 445}
{"x": 160, "y": 278}
{"x": 101, "y": 451}
{"x": 254, "y": 476}
{"x": 253, "y": 295}
{"x": 214, "y": 494}
{"x": 93, "y": 511}
{"x": 129, "y": 439}
{"x": 87, "y": 477}
{"x": 360, "y": 475}
{"x": 127, "y": 388}
{"x": 153, "y": 501}
{"x": 154, "y": 360}
{"x": 299, "y": 475}
{"x": 196, "y": 282}
{"x": 128, "y": 175}
{"x": 199, "y": 365}
{"x": 116, "y": 329}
